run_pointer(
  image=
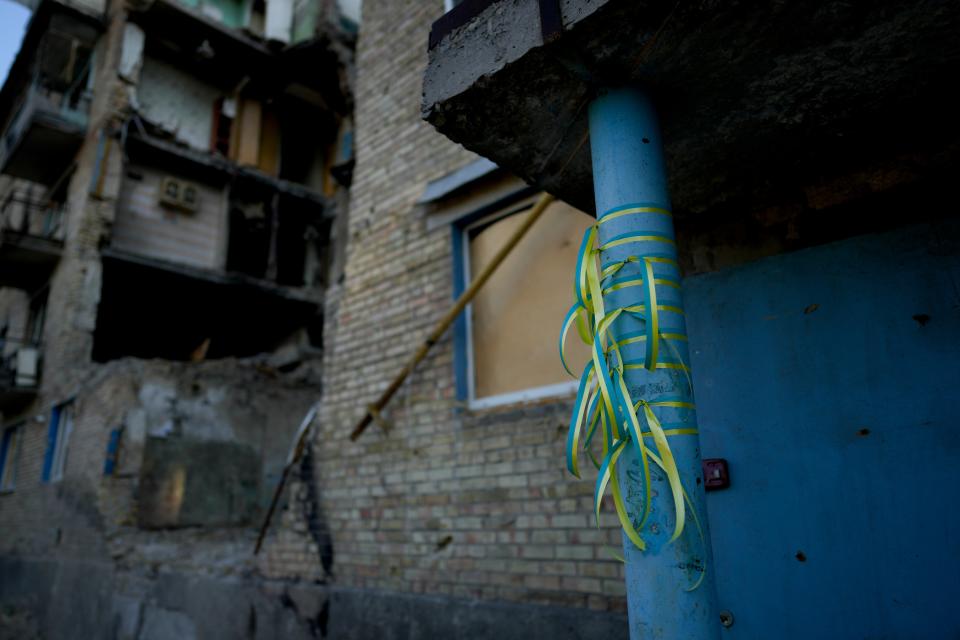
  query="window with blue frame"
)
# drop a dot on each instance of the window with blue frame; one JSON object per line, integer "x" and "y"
{"x": 58, "y": 441}
{"x": 506, "y": 339}
{"x": 10, "y": 457}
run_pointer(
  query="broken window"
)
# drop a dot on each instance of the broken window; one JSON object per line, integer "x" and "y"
{"x": 58, "y": 440}
{"x": 258, "y": 17}
{"x": 36, "y": 317}
{"x": 309, "y": 133}
{"x": 281, "y": 238}
{"x": 27, "y": 210}
{"x": 64, "y": 63}
{"x": 10, "y": 457}
{"x": 339, "y": 167}
{"x": 248, "y": 132}
{"x": 293, "y": 239}
{"x": 518, "y": 309}
{"x": 248, "y": 248}
{"x": 224, "y": 111}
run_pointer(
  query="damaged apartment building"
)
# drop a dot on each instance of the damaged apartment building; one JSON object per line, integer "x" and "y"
{"x": 173, "y": 177}
{"x": 179, "y": 261}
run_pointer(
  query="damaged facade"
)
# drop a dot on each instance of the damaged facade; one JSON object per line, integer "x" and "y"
{"x": 819, "y": 257}
{"x": 811, "y": 149}
{"x": 454, "y": 517}
{"x": 173, "y": 178}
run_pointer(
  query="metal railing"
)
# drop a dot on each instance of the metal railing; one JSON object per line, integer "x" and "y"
{"x": 70, "y": 105}
{"x": 22, "y": 215}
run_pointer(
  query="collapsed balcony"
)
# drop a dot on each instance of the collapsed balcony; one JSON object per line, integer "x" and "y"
{"x": 202, "y": 210}
{"x": 246, "y": 48}
{"x": 233, "y": 154}
{"x": 31, "y": 240}
{"x": 151, "y": 308}
{"x": 46, "y": 98}
{"x": 209, "y": 259}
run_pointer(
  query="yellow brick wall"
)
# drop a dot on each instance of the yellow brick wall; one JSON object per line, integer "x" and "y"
{"x": 450, "y": 501}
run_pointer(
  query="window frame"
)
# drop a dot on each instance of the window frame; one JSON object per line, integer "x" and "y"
{"x": 464, "y": 368}
{"x": 58, "y": 441}
{"x": 10, "y": 456}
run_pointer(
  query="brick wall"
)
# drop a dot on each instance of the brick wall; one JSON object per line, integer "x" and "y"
{"x": 86, "y": 514}
{"x": 90, "y": 516}
{"x": 41, "y": 517}
{"x": 38, "y": 516}
{"x": 75, "y": 285}
{"x": 449, "y": 501}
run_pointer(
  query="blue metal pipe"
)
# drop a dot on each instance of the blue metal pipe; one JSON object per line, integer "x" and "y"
{"x": 629, "y": 174}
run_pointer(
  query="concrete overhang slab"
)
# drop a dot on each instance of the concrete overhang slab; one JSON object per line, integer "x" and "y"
{"x": 754, "y": 97}
{"x": 216, "y": 168}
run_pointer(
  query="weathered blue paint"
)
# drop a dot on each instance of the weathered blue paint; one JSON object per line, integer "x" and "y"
{"x": 113, "y": 448}
{"x": 459, "y": 331}
{"x": 628, "y": 170}
{"x": 4, "y": 446}
{"x": 462, "y": 177}
{"x": 829, "y": 380}
{"x": 52, "y": 434}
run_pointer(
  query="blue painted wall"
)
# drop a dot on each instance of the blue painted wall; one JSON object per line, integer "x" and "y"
{"x": 841, "y": 424}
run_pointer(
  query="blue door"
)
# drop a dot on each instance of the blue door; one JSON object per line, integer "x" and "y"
{"x": 829, "y": 379}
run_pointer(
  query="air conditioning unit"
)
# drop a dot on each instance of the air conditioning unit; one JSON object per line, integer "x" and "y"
{"x": 27, "y": 367}
{"x": 178, "y": 194}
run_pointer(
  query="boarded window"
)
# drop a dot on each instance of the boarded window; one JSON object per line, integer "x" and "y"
{"x": 186, "y": 482}
{"x": 269, "y": 153}
{"x": 515, "y": 319}
{"x": 245, "y": 147}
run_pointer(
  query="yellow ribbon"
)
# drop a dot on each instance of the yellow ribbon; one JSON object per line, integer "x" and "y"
{"x": 604, "y": 401}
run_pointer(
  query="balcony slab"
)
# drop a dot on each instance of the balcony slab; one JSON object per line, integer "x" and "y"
{"x": 754, "y": 97}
